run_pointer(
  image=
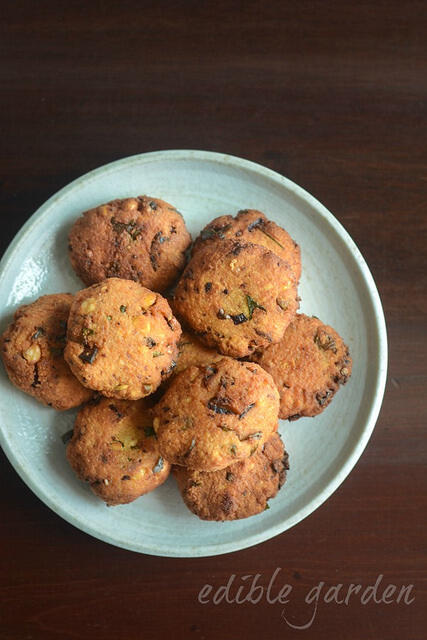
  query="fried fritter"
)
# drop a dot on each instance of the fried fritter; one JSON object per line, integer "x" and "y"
{"x": 122, "y": 339}
{"x": 191, "y": 351}
{"x": 142, "y": 239}
{"x": 32, "y": 350}
{"x": 308, "y": 366}
{"x": 215, "y": 415}
{"x": 238, "y": 491}
{"x": 250, "y": 225}
{"x": 237, "y": 297}
{"x": 115, "y": 449}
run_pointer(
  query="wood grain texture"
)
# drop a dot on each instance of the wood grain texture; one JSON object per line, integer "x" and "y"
{"x": 330, "y": 94}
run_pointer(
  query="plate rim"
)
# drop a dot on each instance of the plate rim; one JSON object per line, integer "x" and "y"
{"x": 380, "y": 334}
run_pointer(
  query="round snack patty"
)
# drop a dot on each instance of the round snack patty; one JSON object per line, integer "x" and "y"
{"x": 115, "y": 449}
{"x": 193, "y": 352}
{"x": 32, "y": 350}
{"x": 215, "y": 415}
{"x": 237, "y": 297}
{"x": 308, "y": 365}
{"x": 238, "y": 491}
{"x": 250, "y": 225}
{"x": 122, "y": 339}
{"x": 142, "y": 239}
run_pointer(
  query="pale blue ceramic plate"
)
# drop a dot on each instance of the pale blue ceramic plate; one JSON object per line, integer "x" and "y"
{"x": 336, "y": 286}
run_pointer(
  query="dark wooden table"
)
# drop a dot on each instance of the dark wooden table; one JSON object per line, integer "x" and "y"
{"x": 330, "y": 94}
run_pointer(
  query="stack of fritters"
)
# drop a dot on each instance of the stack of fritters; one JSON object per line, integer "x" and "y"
{"x": 217, "y": 424}
{"x": 204, "y": 402}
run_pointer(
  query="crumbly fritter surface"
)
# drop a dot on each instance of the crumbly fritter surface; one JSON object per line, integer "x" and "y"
{"x": 191, "y": 351}
{"x": 250, "y": 225}
{"x": 238, "y": 491}
{"x": 142, "y": 239}
{"x": 32, "y": 349}
{"x": 114, "y": 449}
{"x": 237, "y": 297}
{"x": 122, "y": 339}
{"x": 215, "y": 415}
{"x": 308, "y": 366}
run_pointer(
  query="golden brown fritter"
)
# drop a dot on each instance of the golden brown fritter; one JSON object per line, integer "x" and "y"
{"x": 237, "y": 297}
{"x": 122, "y": 339}
{"x": 308, "y": 365}
{"x": 142, "y": 239}
{"x": 32, "y": 350}
{"x": 250, "y": 225}
{"x": 115, "y": 449}
{"x": 215, "y": 415}
{"x": 239, "y": 491}
{"x": 193, "y": 352}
